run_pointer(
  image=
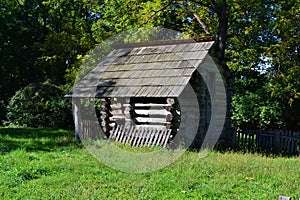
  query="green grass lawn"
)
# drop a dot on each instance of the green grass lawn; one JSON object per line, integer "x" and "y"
{"x": 49, "y": 164}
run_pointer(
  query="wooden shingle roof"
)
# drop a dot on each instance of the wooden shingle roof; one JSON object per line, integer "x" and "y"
{"x": 161, "y": 70}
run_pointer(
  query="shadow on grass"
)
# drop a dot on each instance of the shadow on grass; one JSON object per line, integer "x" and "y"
{"x": 31, "y": 139}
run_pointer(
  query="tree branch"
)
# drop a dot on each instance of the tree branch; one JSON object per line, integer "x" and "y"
{"x": 204, "y": 26}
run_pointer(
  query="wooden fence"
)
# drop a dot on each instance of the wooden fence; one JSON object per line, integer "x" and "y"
{"x": 277, "y": 142}
{"x": 137, "y": 136}
{"x": 141, "y": 136}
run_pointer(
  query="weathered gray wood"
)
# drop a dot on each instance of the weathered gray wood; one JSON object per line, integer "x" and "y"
{"x": 130, "y": 133}
{"x": 155, "y": 138}
{"x": 141, "y": 133}
{"x": 149, "y": 105}
{"x": 159, "y": 135}
{"x": 145, "y": 137}
{"x": 117, "y": 112}
{"x": 116, "y": 106}
{"x": 152, "y": 126}
{"x": 123, "y": 134}
{"x": 164, "y": 138}
{"x": 151, "y": 120}
{"x": 119, "y": 133}
{"x": 167, "y": 138}
{"x": 136, "y": 137}
{"x": 114, "y": 117}
{"x": 77, "y": 118}
{"x": 149, "y": 137}
{"x": 139, "y": 137}
{"x": 152, "y": 112}
{"x": 173, "y": 62}
{"x": 113, "y": 133}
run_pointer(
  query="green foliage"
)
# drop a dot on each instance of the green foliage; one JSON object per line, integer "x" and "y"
{"x": 263, "y": 56}
{"x": 262, "y": 48}
{"x": 49, "y": 39}
{"x": 256, "y": 110}
{"x": 40, "y": 105}
{"x": 49, "y": 164}
{"x": 41, "y": 39}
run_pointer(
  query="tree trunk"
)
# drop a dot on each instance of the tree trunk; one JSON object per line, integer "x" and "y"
{"x": 220, "y": 7}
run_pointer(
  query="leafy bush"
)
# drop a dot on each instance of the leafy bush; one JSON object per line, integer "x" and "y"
{"x": 40, "y": 105}
{"x": 256, "y": 110}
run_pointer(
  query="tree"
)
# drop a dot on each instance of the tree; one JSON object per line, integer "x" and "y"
{"x": 264, "y": 58}
{"x": 257, "y": 41}
{"x": 40, "y": 40}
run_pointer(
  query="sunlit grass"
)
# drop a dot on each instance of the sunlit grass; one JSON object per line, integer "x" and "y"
{"x": 49, "y": 164}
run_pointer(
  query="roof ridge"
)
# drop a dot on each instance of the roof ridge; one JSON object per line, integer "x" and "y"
{"x": 162, "y": 42}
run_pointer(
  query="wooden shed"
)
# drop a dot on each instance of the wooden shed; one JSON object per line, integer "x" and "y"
{"x": 153, "y": 93}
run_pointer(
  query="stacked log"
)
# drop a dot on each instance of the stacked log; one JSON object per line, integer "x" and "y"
{"x": 105, "y": 116}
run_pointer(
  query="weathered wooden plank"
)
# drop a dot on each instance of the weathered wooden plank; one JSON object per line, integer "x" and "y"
{"x": 132, "y": 137}
{"x": 151, "y": 126}
{"x": 114, "y": 132}
{"x": 119, "y": 133}
{"x": 117, "y": 112}
{"x": 123, "y": 91}
{"x": 152, "y": 112}
{"x": 129, "y": 134}
{"x": 146, "y": 137}
{"x": 125, "y": 135}
{"x": 140, "y": 136}
{"x": 136, "y": 136}
{"x": 149, "y": 137}
{"x": 176, "y": 91}
{"x": 117, "y": 117}
{"x": 144, "y": 91}
{"x": 148, "y": 105}
{"x": 152, "y": 138}
{"x": 167, "y": 138}
{"x": 122, "y": 134}
{"x": 156, "y": 134}
{"x": 161, "y": 133}
{"x": 151, "y": 120}
{"x": 116, "y": 105}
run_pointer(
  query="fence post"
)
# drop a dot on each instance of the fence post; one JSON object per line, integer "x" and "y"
{"x": 77, "y": 118}
{"x": 234, "y": 132}
{"x": 276, "y": 145}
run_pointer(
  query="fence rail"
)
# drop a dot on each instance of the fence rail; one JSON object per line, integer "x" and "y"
{"x": 277, "y": 141}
